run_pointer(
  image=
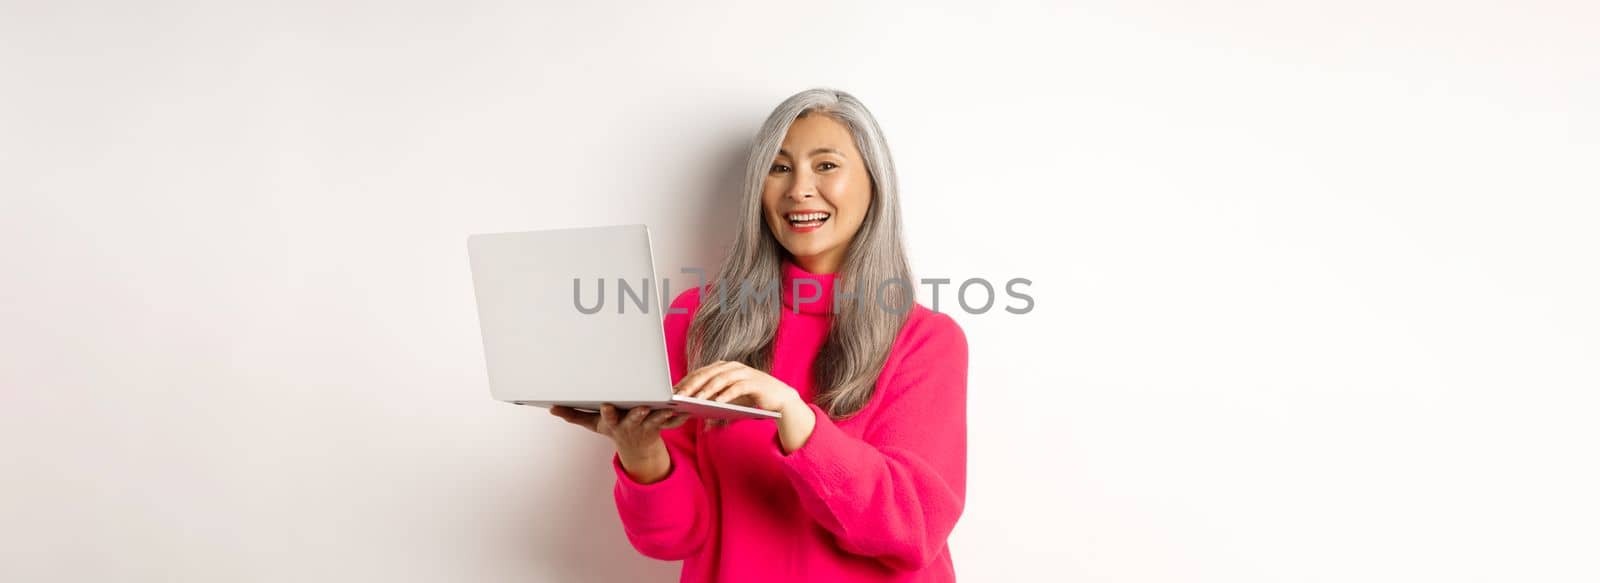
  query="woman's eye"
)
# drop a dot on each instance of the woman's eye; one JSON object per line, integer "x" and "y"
{"x": 827, "y": 165}
{"x": 778, "y": 168}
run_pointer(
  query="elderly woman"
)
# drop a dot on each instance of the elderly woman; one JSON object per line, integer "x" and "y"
{"x": 864, "y": 475}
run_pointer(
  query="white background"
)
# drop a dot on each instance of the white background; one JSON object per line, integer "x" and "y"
{"x": 1314, "y": 281}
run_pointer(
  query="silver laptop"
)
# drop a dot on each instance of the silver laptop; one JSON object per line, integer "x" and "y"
{"x": 573, "y": 317}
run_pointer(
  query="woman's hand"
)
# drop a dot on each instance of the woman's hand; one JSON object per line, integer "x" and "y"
{"x": 727, "y": 382}
{"x": 734, "y": 382}
{"x": 637, "y": 435}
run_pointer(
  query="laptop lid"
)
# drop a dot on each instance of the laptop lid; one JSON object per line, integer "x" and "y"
{"x": 560, "y": 315}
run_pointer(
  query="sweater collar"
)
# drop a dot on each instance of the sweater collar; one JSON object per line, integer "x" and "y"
{"x": 812, "y": 285}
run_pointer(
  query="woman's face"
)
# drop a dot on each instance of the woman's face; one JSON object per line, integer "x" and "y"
{"x": 817, "y": 192}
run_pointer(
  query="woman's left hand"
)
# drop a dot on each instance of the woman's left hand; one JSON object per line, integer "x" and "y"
{"x": 725, "y": 382}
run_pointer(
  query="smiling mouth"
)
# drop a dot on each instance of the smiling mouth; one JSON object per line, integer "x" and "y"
{"x": 807, "y": 219}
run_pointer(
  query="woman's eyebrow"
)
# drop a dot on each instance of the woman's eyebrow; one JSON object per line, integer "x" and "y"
{"x": 811, "y": 153}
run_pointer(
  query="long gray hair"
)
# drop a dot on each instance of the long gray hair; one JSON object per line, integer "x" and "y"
{"x": 862, "y": 331}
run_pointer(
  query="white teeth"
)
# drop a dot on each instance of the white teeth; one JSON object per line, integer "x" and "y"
{"x": 807, "y": 217}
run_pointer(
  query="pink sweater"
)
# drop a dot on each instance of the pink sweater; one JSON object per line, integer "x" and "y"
{"x": 871, "y": 498}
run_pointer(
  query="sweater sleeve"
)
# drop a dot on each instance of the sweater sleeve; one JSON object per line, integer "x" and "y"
{"x": 668, "y": 519}
{"x": 895, "y": 493}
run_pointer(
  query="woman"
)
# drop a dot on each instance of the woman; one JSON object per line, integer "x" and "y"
{"x": 864, "y": 476}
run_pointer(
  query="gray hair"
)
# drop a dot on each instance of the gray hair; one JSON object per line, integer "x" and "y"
{"x": 862, "y": 331}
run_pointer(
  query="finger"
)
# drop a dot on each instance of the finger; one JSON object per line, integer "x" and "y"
{"x": 590, "y": 421}
{"x": 725, "y": 380}
{"x": 635, "y": 418}
{"x": 695, "y": 376}
{"x": 677, "y": 420}
{"x": 608, "y": 418}
{"x": 576, "y": 417}
{"x": 657, "y": 419}
{"x": 692, "y": 381}
{"x": 731, "y": 392}
{"x": 720, "y": 380}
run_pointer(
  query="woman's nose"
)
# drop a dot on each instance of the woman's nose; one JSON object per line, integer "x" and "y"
{"x": 802, "y": 188}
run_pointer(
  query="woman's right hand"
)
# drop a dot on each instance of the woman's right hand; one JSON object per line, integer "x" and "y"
{"x": 637, "y": 435}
